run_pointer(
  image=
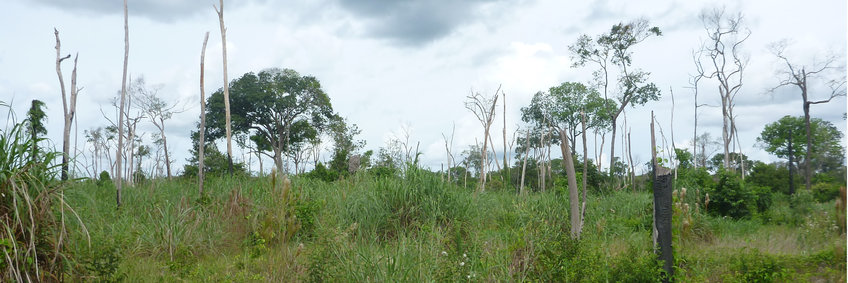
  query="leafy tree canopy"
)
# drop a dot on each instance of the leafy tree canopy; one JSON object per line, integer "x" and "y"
{"x": 278, "y": 108}
{"x": 826, "y": 153}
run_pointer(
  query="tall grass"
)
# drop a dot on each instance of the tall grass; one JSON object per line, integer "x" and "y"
{"x": 416, "y": 228}
{"x": 33, "y": 233}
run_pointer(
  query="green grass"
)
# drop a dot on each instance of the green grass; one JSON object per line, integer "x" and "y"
{"x": 418, "y": 229}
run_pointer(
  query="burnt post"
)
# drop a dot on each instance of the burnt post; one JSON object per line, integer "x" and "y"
{"x": 662, "y": 180}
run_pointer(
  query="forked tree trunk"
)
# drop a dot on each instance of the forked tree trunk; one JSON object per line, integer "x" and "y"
{"x": 202, "y": 143}
{"x": 120, "y": 148}
{"x": 68, "y": 110}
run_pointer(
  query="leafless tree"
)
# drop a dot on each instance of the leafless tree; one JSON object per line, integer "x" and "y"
{"x": 226, "y": 87}
{"x": 448, "y": 148}
{"x": 69, "y": 109}
{"x": 484, "y": 109}
{"x": 798, "y": 75}
{"x": 726, "y": 34}
{"x": 157, "y": 111}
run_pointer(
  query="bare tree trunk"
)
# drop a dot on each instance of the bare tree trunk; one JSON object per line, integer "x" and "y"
{"x": 505, "y": 152}
{"x": 673, "y": 147}
{"x": 573, "y": 196}
{"x": 119, "y": 180}
{"x": 226, "y": 88}
{"x": 202, "y": 143}
{"x": 524, "y": 167}
{"x": 68, "y": 110}
{"x": 791, "y": 161}
{"x": 543, "y": 164}
{"x": 585, "y": 161}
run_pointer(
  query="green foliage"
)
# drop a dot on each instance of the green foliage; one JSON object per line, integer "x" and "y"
{"x": 104, "y": 181}
{"x": 215, "y": 161}
{"x": 827, "y": 152}
{"x": 754, "y": 266}
{"x": 731, "y": 197}
{"x": 104, "y": 264}
{"x": 279, "y": 109}
{"x": 30, "y": 199}
{"x": 320, "y": 172}
{"x": 825, "y": 191}
{"x": 773, "y": 176}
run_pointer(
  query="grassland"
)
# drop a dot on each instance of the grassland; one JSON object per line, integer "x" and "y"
{"x": 418, "y": 228}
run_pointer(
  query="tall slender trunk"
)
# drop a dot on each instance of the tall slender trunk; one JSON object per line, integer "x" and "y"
{"x": 505, "y": 152}
{"x": 524, "y": 167}
{"x": 573, "y": 196}
{"x": 119, "y": 179}
{"x": 791, "y": 162}
{"x": 202, "y": 143}
{"x": 585, "y": 160}
{"x": 226, "y": 89}
{"x": 807, "y": 169}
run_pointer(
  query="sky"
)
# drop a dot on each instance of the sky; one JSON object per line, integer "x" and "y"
{"x": 395, "y": 67}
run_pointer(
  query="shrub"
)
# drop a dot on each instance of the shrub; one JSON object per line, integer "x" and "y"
{"x": 731, "y": 197}
{"x": 757, "y": 267}
{"x": 824, "y": 192}
{"x": 322, "y": 173}
{"x": 104, "y": 181}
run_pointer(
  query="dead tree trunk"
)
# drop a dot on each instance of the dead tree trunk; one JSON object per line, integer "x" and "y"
{"x": 68, "y": 110}
{"x": 201, "y": 145}
{"x": 662, "y": 215}
{"x": 119, "y": 179}
{"x": 524, "y": 167}
{"x": 585, "y": 162}
{"x": 226, "y": 88}
{"x": 485, "y": 113}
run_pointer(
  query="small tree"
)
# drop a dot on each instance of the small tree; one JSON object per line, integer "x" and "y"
{"x": 617, "y": 45}
{"x": 781, "y": 139}
{"x": 484, "y": 109}
{"x": 158, "y": 111}
{"x": 35, "y": 124}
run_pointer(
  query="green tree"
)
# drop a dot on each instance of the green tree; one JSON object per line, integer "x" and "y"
{"x": 279, "y": 106}
{"x": 718, "y": 161}
{"x": 617, "y": 46}
{"x": 785, "y": 139}
{"x": 561, "y": 108}
{"x": 345, "y": 146}
{"x": 35, "y": 123}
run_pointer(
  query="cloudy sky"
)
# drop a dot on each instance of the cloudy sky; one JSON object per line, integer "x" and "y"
{"x": 394, "y": 65}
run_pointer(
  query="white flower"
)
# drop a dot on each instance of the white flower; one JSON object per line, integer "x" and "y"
{"x": 468, "y": 276}
{"x": 444, "y": 253}
{"x": 463, "y": 255}
{"x": 461, "y": 263}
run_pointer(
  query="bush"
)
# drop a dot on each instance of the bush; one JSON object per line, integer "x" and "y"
{"x": 104, "y": 181}
{"x": 731, "y": 197}
{"x": 824, "y": 192}
{"x": 757, "y": 267}
{"x": 322, "y": 173}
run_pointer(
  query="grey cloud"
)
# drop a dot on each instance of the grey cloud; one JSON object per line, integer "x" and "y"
{"x": 413, "y": 22}
{"x": 158, "y": 10}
